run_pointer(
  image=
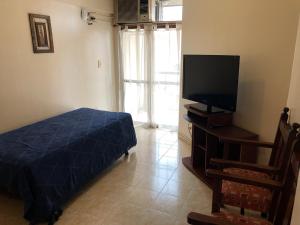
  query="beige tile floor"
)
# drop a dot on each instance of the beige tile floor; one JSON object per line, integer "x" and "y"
{"x": 150, "y": 186}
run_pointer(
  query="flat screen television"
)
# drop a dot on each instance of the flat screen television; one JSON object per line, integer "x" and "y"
{"x": 211, "y": 80}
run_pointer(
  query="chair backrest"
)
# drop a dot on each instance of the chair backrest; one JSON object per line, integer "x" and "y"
{"x": 285, "y": 136}
{"x": 287, "y": 197}
{"x": 283, "y": 150}
{"x": 278, "y": 143}
{"x": 288, "y": 138}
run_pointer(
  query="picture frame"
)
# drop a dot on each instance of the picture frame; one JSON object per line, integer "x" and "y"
{"x": 41, "y": 33}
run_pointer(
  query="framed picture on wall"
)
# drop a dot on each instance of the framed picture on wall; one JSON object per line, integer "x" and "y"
{"x": 41, "y": 33}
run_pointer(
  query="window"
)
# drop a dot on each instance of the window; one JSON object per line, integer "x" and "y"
{"x": 172, "y": 13}
{"x": 169, "y": 10}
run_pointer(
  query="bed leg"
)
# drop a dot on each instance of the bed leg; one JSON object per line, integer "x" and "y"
{"x": 55, "y": 217}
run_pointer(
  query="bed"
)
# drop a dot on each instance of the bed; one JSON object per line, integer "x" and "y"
{"x": 48, "y": 162}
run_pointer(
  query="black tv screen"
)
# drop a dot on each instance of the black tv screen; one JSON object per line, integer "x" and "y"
{"x": 211, "y": 80}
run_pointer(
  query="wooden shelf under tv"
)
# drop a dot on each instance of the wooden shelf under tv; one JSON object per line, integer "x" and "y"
{"x": 207, "y": 130}
{"x": 202, "y": 147}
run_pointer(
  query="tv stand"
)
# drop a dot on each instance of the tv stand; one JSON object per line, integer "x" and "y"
{"x": 209, "y": 119}
{"x": 207, "y": 130}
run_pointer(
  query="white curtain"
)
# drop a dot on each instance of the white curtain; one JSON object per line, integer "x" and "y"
{"x": 149, "y": 71}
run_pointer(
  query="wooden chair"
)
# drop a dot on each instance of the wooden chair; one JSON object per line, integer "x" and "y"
{"x": 246, "y": 196}
{"x": 283, "y": 206}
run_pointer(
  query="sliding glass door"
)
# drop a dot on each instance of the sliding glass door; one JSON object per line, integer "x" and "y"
{"x": 166, "y": 76}
{"x": 150, "y": 69}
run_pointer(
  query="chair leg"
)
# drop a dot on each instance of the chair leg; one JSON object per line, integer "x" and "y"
{"x": 217, "y": 196}
{"x": 242, "y": 211}
{"x": 264, "y": 215}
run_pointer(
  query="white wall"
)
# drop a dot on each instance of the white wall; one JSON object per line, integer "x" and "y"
{"x": 294, "y": 92}
{"x": 294, "y": 104}
{"x": 36, "y": 86}
{"x": 103, "y": 5}
{"x": 264, "y": 34}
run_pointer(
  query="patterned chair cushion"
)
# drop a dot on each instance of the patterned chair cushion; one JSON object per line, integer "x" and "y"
{"x": 246, "y": 196}
{"x": 241, "y": 220}
{"x": 246, "y": 173}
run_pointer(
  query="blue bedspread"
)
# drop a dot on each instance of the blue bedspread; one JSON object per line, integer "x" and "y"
{"x": 48, "y": 162}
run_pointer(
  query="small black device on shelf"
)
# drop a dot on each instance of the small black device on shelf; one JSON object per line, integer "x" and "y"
{"x": 211, "y": 80}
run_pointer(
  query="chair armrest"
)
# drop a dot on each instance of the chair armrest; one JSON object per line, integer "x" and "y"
{"x": 247, "y": 142}
{"x": 260, "y": 182}
{"x": 199, "y": 219}
{"x": 242, "y": 165}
